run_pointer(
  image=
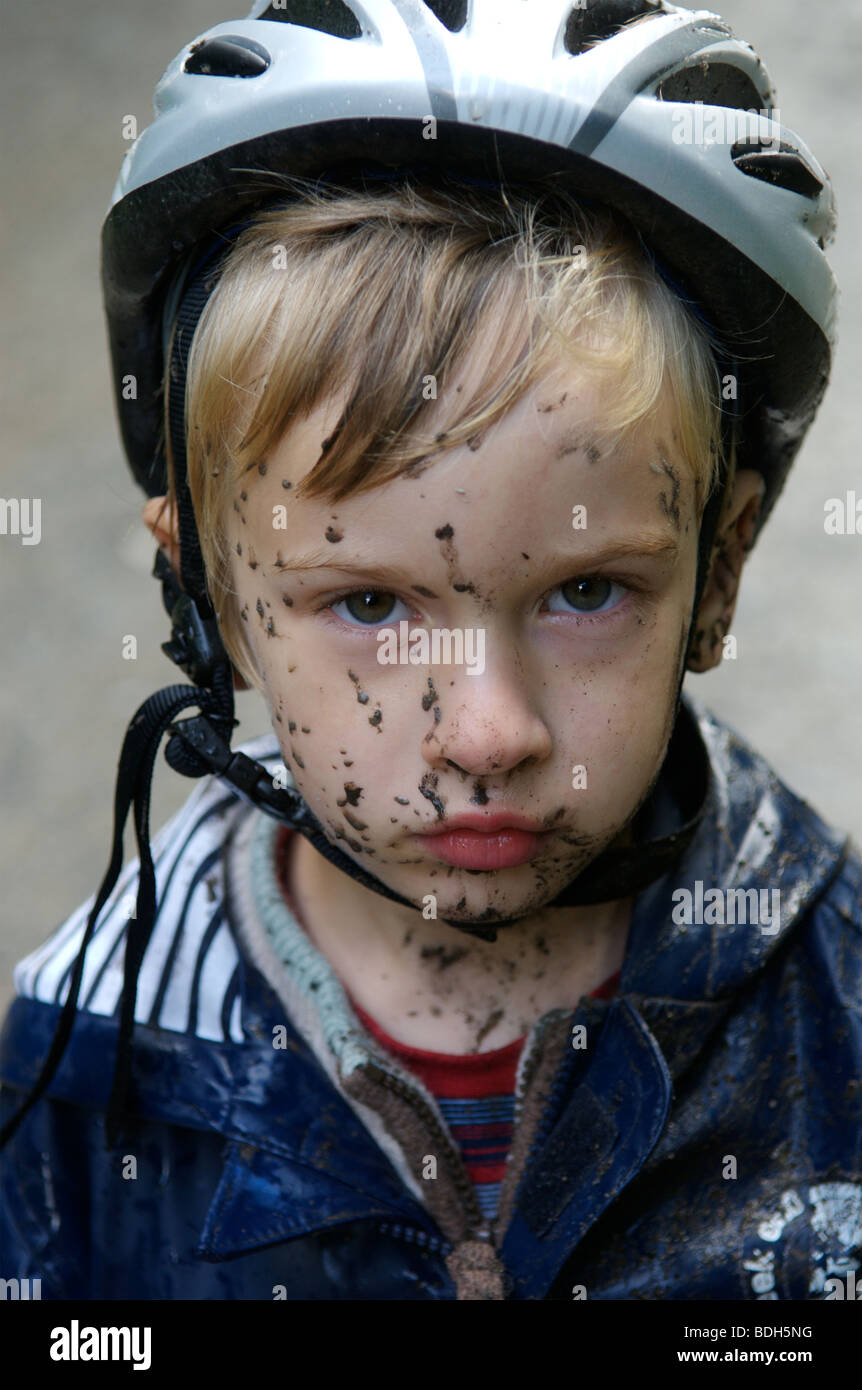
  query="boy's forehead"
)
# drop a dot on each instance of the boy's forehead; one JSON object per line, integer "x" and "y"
{"x": 521, "y": 477}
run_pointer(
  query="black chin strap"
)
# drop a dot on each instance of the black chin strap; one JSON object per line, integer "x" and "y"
{"x": 134, "y": 779}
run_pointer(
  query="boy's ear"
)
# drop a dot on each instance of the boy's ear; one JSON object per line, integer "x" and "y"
{"x": 161, "y": 519}
{"x": 733, "y": 541}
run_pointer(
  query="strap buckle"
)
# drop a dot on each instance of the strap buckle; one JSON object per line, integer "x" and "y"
{"x": 250, "y": 779}
{"x": 196, "y": 645}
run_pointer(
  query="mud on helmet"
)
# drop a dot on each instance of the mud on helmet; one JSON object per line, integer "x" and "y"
{"x": 589, "y": 95}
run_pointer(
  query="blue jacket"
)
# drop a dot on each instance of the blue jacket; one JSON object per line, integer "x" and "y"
{"x": 705, "y": 1143}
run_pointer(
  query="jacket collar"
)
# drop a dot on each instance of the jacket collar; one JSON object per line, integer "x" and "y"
{"x": 756, "y": 837}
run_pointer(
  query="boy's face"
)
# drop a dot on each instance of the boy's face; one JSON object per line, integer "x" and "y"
{"x": 557, "y": 718}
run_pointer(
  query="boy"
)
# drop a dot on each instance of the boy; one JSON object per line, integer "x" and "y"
{"x": 541, "y": 960}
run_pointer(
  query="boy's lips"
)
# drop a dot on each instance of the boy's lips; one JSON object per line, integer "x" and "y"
{"x": 495, "y": 841}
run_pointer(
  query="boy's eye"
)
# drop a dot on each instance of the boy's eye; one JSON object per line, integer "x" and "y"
{"x": 369, "y": 606}
{"x": 590, "y": 594}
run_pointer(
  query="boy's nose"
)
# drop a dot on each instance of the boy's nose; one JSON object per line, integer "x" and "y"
{"x": 489, "y": 723}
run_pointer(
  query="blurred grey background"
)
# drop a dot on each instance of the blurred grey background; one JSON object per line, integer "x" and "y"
{"x": 69, "y": 74}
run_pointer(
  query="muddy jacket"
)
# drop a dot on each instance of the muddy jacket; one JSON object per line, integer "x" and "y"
{"x": 702, "y": 1138}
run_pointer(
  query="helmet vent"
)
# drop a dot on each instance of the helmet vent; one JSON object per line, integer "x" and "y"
{"x": 715, "y": 84}
{"x": 328, "y": 16}
{"x": 451, "y": 13}
{"x": 784, "y": 167}
{"x": 590, "y": 23}
{"x": 230, "y": 55}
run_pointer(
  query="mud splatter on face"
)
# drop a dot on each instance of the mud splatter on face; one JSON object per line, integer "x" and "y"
{"x": 444, "y": 957}
{"x": 669, "y": 502}
{"x": 428, "y": 788}
{"x": 570, "y": 446}
{"x": 334, "y": 534}
{"x": 446, "y": 536}
{"x": 360, "y": 694}
{"x": 489, "y": 1025}
{"x": 480, "y": 796}
{"x": 430, "y": 734}
{"x": 555, "y": 405}
{"x": 430, "y": 696}
{"x": 352, "y": 794}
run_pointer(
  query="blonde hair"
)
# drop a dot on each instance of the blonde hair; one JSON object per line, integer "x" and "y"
{"x": 377, "y": 292}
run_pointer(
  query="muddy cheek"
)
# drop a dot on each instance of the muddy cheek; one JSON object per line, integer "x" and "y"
{"x": 326, "y": 750}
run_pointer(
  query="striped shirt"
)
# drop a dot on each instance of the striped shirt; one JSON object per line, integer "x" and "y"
{"x": 190, "y": 976}
{"x": 476, "y": 1093}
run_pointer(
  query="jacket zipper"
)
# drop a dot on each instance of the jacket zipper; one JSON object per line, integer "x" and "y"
{"x": 478, "y": 1228}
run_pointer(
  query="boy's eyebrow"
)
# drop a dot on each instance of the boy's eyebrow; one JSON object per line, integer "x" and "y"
{"x": 316, "y": 560}
{"x": 649, "y": 544}
{"x": 644, "y": 545}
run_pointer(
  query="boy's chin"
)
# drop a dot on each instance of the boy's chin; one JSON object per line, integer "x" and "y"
{"x": 479, "y": 911}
